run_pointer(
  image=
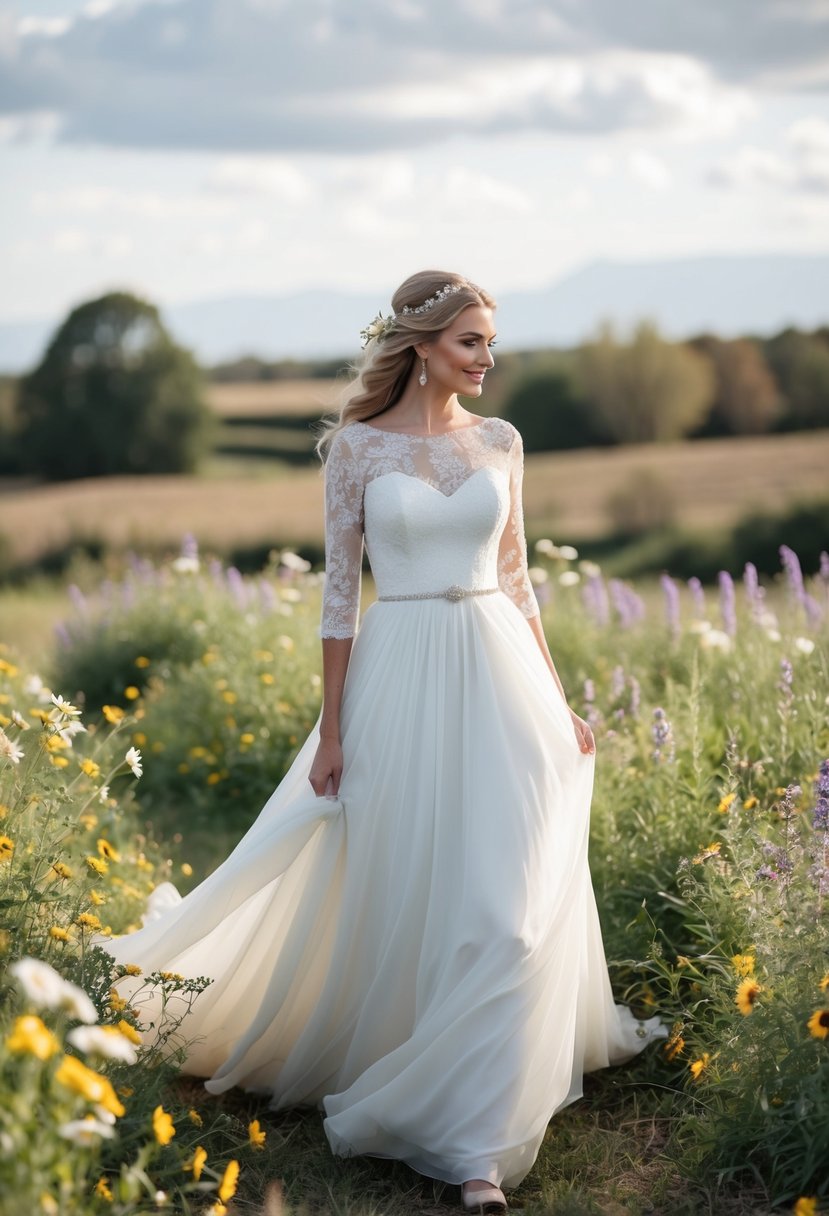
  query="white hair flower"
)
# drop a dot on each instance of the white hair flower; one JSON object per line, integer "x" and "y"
{"x": 376, "y": 329}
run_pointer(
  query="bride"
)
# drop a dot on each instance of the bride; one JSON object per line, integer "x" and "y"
{"x": 407, "y": 936}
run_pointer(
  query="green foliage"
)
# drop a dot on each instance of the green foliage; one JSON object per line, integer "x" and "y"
{"x": 219, "y": 671}
{"x": 800, "y": 362}
{"x": 747, "y": 400}
{"x": 645, "y": 390}
{"x": 550, "y": 415}
{"x": 112, "y": 394}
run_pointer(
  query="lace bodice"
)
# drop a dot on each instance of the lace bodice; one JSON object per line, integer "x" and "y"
{"x": 415, "y": 541}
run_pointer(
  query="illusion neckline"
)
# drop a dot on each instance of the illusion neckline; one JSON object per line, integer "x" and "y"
{"x": 473, "y": 426}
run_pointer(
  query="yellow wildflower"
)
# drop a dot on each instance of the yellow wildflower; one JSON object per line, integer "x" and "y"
{"x": 710, "y": 850}
{"x": 266, "y": 677}
{"x": 103, "y": 1191}
{"x": 195, "y": 1118}
{"x": 61, "y": 869}
{"x": 131, "y": 969}
{"x": 805, "y": 1206}
{"x": 213, "y": 778}
{"x": 674, "y": 1046}
{"x": 743, "y": 964}
{"x": 59, "y": 761}
{"x": 96, "y": 898}
{"x": 196, "y": 1162}
{"x": 217, "y": 1209}
{"x": 88, "y": 821}
{"x": 59, "y": 934}
{"x": 697, "y": 1067}
{"x": 30, "y": 1036}
{"x": 163, "y": 1126}
{"x": 725, "y": 802}
{"x": 142, "y": 661}
{"x": 8, "y": 668}
{"x": 184, "y": 767}
{"x": 129, "y": 1032}
{"x": 747, "y": 993}
{"x": 126, "y": 1091}
{"x": 116, "y": 1002}
{"x": 229, "y": 697}
{"x": 186, "y": 869}
{"x": 247, "y": 738}
{"x": 139, "y": 738}
{"x": 227, "y": 1186}
{"x": 91, "y": 768}
{"x": 57, "y": 743}
{"x": 132, "y": 693}
{"x": 823, "y": 984}
{"x": 6, "y": 848}
{"x": 108, "y": 851}
{"x": 97, "y": 864}
{"x": 818, "y": 1024}
{"x": 256, "y": 1136}
{"x": 171, "y": 977}
{"x": 750, "y": 803}
{"x": 87, "y": 920}
{"x": 90, "y": 1085}
{"x": 113, "y": 714}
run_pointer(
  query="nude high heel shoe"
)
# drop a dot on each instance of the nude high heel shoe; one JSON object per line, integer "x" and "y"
{"x": 486, "y": 1201}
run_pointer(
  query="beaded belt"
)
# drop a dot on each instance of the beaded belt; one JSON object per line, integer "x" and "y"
{"x": 453, "y": 593}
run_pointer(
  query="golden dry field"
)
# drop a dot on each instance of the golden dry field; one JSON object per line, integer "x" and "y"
{"x": 711, "y": 483}
{"x": 273, "y": 397}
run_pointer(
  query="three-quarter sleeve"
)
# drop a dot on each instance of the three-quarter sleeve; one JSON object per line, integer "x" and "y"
{"x": 513, "y": 576}
{"x": 343, "y": 541}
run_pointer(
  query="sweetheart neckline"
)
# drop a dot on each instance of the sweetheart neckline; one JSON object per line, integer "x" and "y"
{"x": 484, "y": 468}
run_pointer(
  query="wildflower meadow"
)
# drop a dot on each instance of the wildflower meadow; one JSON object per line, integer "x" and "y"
{"x": 172, "y": 700}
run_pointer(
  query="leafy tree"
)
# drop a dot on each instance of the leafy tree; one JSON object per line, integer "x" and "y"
{"x": 112, "y": 394}
{"x": 747, "y": 399}
{"x": 800, "y": 362}
{"x": 646, "y": 390}
{"x": 550, "y": 415}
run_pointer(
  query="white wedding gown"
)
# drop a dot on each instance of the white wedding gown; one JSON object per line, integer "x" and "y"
{"x": 422, "y": 956}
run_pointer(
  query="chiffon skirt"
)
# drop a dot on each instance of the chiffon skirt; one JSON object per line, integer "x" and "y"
{"x": 421, "y": 957}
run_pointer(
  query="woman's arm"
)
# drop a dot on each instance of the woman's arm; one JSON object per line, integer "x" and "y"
{"x": 327, "y": 766}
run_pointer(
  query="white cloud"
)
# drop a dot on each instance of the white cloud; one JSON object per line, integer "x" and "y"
{"x": 282, "y": 75}
{"x": 272, "y": 176}
{"x": 649, "y": 169}
{"x": 801, "y": 166}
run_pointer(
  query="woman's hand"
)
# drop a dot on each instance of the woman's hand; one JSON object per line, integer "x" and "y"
{"x": 584, "y": 734}
{"x": 327, "y": 768}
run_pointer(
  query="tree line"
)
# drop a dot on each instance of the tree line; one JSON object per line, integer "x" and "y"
{"x": 113, "y": 393}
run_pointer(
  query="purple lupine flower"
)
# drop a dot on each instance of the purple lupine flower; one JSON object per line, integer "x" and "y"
{"x": 63, "y": 636}
{"x": 671, "y": 594}
{"x": 728, "y": 610}
{"x": 216, "y": 571}
{"x": 237, "y": 586}
{"x": 755, "y": 594}
{"x": 635, "y": 696}
{"x": 792, "y": 570}
{"x": 77, "y": 598}
{"x": 823, "y": 572}
{"x": 617, "y": 682}
{"x": 698, "y": 595}
{"x": 594, "y": 598}
{"x": 820, "y": 814}
{"x": 814, "y": 611}
{"x": 778, "y": 858}
{"x": 267, "y": 595}
{"x": 629, "y": 605}
{"x": 189, "y": 546}
{"x": 766, "y": 872}
{"x": 663, "y": 737}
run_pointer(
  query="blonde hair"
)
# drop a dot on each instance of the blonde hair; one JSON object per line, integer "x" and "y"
{"x": 383, "y": 370}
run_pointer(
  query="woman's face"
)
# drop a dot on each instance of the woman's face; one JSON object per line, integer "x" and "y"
{"x": 460, "y": 357}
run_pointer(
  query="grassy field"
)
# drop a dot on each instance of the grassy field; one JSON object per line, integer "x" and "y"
{"x": 235, "y": 504}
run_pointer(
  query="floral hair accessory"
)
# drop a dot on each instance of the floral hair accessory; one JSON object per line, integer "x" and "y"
{"x": 449, "y": 289}
{"x": 378, "y": 328}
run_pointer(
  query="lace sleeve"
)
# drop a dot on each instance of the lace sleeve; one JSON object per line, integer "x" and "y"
{"x": 343, "y": 541}
{"x": 513, "y": 578}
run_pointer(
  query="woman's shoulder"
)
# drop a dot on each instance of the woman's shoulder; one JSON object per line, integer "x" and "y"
{"x": 501, "y": 433}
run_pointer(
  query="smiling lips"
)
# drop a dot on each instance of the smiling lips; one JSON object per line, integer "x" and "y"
{"x": 477, "y": 376}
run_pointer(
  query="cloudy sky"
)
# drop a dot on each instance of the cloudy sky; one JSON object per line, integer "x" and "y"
{"x": 192, "y": 149}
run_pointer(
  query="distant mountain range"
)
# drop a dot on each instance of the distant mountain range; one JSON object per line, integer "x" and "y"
{"x": 726, "y": 295}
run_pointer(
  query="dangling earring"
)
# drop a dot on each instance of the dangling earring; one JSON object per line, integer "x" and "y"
{"x": 423, "y": 378}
